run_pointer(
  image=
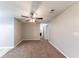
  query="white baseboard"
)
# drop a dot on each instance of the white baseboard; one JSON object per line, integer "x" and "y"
{"x": 31, "y": 39}
{"x": 58, "y": 49}
{"x": 18, "y": 43}
{"x": 24, "y": 39}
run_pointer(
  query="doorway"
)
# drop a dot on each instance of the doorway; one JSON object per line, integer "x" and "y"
{"x": 43, "y": 30}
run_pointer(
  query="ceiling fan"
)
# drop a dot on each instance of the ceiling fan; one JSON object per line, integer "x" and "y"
{"x": 32, "y": 17}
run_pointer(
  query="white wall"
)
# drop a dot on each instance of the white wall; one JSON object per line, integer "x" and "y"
{"x": 6, "y": 32}
{"x": 31, "y": 31}
{"x": 45, "y": 31}
{"x": 17, "y": 32}
{"x": 64, "y": 31}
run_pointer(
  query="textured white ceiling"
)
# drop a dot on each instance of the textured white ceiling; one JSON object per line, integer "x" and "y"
{"x": 13, "y": 8}
{"x": 58, "y": 6}
{"x": 42, "y": 8}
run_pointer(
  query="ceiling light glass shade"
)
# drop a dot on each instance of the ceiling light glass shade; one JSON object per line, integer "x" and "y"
{"x": 34, "y": 15}
{"x": 32, "y": 20}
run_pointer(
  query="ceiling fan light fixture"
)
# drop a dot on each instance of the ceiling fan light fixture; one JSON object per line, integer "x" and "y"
{"x": 32, "y": 20}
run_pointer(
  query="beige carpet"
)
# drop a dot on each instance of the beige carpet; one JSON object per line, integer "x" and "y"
{"x": 34, "y": 49}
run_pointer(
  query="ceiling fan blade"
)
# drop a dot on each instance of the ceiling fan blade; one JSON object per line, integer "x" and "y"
{"x": 39, "y": 18}
{"x": 25, "y": 16}
{"x": 28, "y": 20}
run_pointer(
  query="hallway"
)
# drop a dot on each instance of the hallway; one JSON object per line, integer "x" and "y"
{"x": 34, "y": 49}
